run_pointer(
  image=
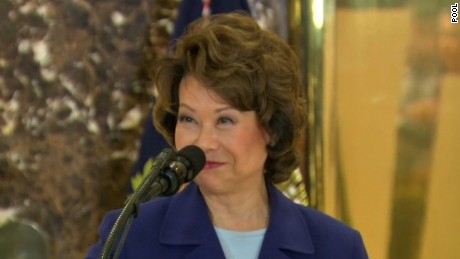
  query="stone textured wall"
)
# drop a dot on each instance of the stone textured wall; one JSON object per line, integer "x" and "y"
{"x": 73, "y": 99}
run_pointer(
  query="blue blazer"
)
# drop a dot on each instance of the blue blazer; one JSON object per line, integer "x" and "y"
{"x": 179, "y": 227}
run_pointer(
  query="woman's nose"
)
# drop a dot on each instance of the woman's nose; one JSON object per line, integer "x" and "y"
{"x": 207, "y": 138}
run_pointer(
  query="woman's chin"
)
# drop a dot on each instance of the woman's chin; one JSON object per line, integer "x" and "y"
{"x": 208, "y": 183}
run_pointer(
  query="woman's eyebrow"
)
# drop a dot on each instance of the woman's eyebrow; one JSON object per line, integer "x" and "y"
{"x": 186, "y": 106}
{"x": 218, "y": 110}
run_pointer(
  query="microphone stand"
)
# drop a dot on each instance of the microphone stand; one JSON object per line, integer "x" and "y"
{"x": 131, "y": 209}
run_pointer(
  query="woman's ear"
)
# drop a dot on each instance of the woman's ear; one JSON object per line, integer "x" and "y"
{"x": 268, "y": 139}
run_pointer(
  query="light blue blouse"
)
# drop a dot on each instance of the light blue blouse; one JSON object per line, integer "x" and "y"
{"x": 237, "y": 244}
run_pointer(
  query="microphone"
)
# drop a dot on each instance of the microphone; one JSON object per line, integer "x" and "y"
{"x": 163, "y": 179}
{"x": 188, "y": 163}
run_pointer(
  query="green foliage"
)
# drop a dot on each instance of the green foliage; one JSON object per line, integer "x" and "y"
{"x": 137, "y": 179}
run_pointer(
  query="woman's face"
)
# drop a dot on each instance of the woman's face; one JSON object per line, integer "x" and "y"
{"x": 233, "y": 141}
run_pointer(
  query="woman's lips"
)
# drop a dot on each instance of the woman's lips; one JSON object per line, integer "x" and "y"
{"x": 212, "y": 165}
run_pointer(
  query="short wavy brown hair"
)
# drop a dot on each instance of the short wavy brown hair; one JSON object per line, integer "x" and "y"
{"x": 250, "y": 68}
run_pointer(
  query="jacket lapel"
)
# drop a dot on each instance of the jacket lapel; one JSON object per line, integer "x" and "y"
{"x": 287, "y": 233}
{"x": 187, "y": 224}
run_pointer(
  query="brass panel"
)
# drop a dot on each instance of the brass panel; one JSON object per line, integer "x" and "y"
{"x": 382, "y": 77}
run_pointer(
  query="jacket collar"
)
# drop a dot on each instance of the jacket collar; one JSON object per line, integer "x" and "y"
{"x": 287, "y": 230}
{"x": 187, "y": 223}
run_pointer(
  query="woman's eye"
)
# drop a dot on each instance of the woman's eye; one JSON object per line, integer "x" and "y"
{"x": 225, "y": 120}
{"x": 184, "y": 118}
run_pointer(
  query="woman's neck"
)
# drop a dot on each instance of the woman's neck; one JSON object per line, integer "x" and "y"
{"x": 239, "y": 211}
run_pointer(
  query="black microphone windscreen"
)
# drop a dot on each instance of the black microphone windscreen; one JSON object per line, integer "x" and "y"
{"x": 195, "y": 156}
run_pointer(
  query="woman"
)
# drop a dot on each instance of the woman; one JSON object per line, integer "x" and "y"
{"x": 234, "y": 90}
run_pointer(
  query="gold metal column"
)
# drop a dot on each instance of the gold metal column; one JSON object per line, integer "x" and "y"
{"x": 382, "y": 78}
{"x": 306, "y": 36}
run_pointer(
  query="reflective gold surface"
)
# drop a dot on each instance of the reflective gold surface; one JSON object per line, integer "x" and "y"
{"x": 383, "y": 77}
{"x": 314, "y": 41}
